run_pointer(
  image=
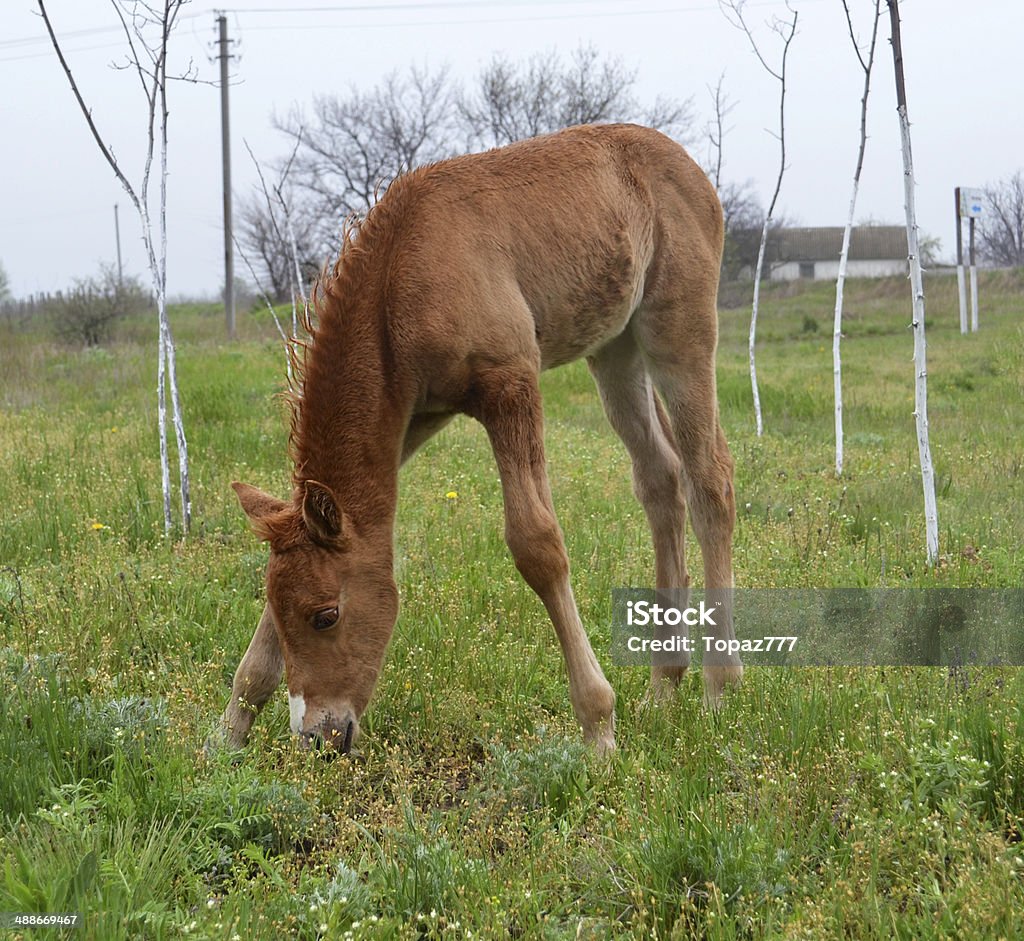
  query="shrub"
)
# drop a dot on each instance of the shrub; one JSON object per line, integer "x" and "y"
{"x": 88, "y": 312}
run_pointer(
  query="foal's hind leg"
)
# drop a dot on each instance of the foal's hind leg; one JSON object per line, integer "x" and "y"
{"x": 638, "y": 418}
{"x": 678, "y": 342}
{"x": 507, "y": 402}
{"x": 257, "y": 676}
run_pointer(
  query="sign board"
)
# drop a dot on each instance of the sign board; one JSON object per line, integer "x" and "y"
{"x": 971, "y": 202}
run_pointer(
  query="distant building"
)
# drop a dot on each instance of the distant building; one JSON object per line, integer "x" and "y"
{"x": 876, "y": 251}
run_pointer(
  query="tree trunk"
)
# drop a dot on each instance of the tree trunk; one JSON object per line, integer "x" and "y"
{"x": 844, "y": 255}
{"x": 917, "y": 287}
{"x": 758, "y": 420}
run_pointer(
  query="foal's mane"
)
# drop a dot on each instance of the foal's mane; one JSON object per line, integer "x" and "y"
{"x": 323, "y": 309}
{"x": 338, "y": 309}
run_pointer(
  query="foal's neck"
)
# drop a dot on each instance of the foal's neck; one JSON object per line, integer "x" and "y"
{"x": 351, "y": 422}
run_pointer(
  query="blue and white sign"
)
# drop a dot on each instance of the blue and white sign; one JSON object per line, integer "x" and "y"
{"x": 971, "y": 202}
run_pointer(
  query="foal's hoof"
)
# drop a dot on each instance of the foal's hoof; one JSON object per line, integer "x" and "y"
{"x": 220, "y": 742}
{"x": 658, "y": 693}
{"x": 716, "y": 679}
{"x": 602, "y": 737}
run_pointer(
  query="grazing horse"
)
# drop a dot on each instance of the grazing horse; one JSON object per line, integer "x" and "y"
{"x": 464, "y": 281}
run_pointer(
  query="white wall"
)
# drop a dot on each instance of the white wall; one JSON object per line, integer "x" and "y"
{"x": 829, "y": 270}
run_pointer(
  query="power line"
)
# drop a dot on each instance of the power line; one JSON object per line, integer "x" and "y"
{"x": 49, "y": 52}
{"x": 351, "y": 8}
{"x": 431, "y": 5}
{"x": 74, "y": 34}
{"x": 481, "y": 22}
{"x": 704, "y": 7}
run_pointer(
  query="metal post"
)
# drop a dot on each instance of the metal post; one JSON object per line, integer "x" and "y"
{"x": 961, "y": 281}
{"x": 974, "y": 278}
{"x": 225, "y": 138}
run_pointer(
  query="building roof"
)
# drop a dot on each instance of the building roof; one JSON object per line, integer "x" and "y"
{"x": 867, "y": 243}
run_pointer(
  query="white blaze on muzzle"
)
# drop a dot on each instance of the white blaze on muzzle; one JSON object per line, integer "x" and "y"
{"x": 297, "y": 711}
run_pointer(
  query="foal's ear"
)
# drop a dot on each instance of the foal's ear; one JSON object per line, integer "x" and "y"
{"x": 323, "y": 517}
{"x": 258, "y": 506}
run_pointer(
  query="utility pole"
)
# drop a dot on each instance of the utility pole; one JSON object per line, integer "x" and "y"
{"x": 117, "y": 237}
{"x": 225, "y": 139}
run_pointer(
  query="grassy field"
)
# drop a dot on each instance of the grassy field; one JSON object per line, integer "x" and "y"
{"x": 820, "y": 803}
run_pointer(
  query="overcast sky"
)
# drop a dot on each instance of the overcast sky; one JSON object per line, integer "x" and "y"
{"x": 966, "y": 105}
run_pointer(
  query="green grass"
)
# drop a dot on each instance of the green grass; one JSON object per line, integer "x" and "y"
{"x": 856, "y": 803}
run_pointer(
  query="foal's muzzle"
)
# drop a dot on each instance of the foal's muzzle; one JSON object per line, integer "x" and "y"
{"x": 332, "y": 737}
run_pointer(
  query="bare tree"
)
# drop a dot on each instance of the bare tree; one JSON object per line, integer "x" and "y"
{"x": 785, "y": 30}
{"x": 263, "y": 235}
{"x": 715, "y": 130}
{"x": 147, "y": 59}
{"x": 866, "y": 65}
{"x": 276, "y": 199}
{"x": 5, "y": 287}
{"x": 354, "y": 145}
{"x": 741, "y": 210}
{"x": 931, "y": 514}
{"x": 1001, "y": 231}
{"x": 512, "y": 101}
{"x": 743, "y": 216}
{"x": 282, "y": 243}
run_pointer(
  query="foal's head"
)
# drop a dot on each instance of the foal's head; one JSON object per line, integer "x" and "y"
{"x": 334, "y": 601}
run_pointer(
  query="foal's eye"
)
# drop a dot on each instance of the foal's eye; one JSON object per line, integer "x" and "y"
{"x": 323, "y": 620}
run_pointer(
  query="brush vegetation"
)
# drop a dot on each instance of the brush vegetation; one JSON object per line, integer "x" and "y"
{"x": 861, "y": 803}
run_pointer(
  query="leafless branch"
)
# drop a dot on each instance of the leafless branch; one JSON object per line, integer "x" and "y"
{"x": 786, "y": 30}
{"x": 87, "y": 112}
{"x": 716, "y": 129}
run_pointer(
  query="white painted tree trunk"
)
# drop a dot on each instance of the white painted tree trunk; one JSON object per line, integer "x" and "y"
{"x": 153, "y": 76}
{"x": 177, "y": 416}
{"x": 161, "y": 416}
{"x": 837, "y": 325}
{"x": 758, "y": 420}
{"x": 931, "y": 514}
{"x": 733, "y": 10}
{"x": 167, "y": 371}
{"x": 844, "y": 255}
{"x": 167, "y": 378}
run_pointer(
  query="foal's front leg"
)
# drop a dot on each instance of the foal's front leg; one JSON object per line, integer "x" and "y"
{"x": 256, "y": 678}
{"x": 510, "y": 409}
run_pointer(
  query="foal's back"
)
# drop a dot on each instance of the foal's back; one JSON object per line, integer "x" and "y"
{"x": 544, "y": 250}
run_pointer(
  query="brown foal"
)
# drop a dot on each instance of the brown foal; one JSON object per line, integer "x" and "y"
{"x": 466, "y": 280}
